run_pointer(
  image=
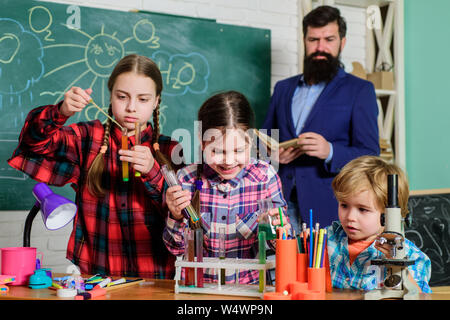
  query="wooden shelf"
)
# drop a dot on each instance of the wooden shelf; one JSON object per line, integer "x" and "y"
{"x": 363, "y": 3}
{"x": 382, "y": 45}
{"x": 384, "y": 93}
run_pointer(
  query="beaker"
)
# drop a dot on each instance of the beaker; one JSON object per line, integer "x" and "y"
{"x": 264, "y": 218}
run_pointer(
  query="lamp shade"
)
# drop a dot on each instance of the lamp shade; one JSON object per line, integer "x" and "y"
{"x": 56, "y": 210}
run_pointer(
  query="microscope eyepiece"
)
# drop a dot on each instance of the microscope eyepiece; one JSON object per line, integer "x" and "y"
{"x": 392, "y": 191}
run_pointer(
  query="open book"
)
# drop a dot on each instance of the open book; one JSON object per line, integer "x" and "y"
{"x": 273, "y": 144}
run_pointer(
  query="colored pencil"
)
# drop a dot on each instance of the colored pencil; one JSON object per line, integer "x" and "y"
{"x": 129, "y": 282}
{"x": 281, "y": 216}
{"x": 310, "y": 238}
{"x": 324, "y": 248}
{"x": 319, "y": 248}
{"x": 316, "y": 240}
{"x": 299, "y": 244}
{"x": 304, "y": 237}
{"x": 304, "y": 241}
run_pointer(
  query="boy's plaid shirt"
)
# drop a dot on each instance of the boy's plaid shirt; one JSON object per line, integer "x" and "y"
{"x": 119, "y": 234}
{"x": 361, "y": 274}
{"x": 235, "y": 209}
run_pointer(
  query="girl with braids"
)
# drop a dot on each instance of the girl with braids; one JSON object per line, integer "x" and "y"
{"x": 118, "y": 227}
{"x": 225, "y": 187}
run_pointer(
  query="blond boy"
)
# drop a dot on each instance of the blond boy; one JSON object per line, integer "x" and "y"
{"x": 361, "y": 191}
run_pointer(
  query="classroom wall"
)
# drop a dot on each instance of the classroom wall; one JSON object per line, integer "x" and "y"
{"x": 279, "y": 16}
{"x": 427, "y": 85}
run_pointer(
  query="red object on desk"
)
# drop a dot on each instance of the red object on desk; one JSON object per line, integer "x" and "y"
{"x": 91, "y": 294}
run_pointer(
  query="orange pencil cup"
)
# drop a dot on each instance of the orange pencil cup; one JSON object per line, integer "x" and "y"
{"x": 302, "y": 267}
{"x": 285, "y": 264}
{"x": 276, "y": 296}
{"x": 316, "y": 281}
{"x": 297, "y": 288}
{"x": 310, "y": 295}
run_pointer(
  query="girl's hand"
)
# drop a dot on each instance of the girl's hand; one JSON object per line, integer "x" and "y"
{"x": 75, "y": 100}
{"x": 177, "y": 199}
{"x": 275, "y": 214}
{"x": 140, "y": 157}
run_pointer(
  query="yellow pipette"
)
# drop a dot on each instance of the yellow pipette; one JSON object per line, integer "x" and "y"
{"x": 101, "y": 110}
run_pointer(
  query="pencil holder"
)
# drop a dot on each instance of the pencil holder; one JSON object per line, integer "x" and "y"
{"x": 285, "y": 264}
{"x": 302, "y": 267}
{"x": 316, "y": 279}
{"x": 277, "y": 296}
{"x": 328, "y": 282}
{"x": 309, "y": 295}
{"x": 296, "y": 287}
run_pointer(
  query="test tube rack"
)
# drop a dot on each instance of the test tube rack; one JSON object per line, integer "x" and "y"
{"x": 234, "y": 289}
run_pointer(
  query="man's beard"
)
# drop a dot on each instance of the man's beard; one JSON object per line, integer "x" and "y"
{"x": 320, "y": 70}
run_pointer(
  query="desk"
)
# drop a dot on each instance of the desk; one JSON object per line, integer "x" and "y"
{"x": 152, "y": 289}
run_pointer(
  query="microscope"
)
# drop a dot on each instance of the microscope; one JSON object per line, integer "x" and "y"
{"x": 396, "y": 284}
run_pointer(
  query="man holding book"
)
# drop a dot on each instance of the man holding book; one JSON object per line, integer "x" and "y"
{"x": 332, "y": 114}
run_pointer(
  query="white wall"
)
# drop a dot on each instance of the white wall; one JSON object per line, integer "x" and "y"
{"x": 280, "y": 16}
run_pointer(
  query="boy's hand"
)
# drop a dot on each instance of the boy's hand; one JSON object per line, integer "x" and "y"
{"x": 388, "y": 243}
{"x": 75, "y": 100}
{"x": 177, "y": 199}
{"x": 384, "y": 248}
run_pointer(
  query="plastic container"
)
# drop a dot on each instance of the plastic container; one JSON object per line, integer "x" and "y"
{"x": 297, "y": 287}
{"x": 302, "y": 267}
{"x": 316, "y": 282}
{"x": 277, "y": 296}
{"x": 20, "y": 262}
{"x": 40, "y": 280}
{"x": 286, "y": 264}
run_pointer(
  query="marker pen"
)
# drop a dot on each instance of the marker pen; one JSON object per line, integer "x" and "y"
{"x": 103, "y": 283}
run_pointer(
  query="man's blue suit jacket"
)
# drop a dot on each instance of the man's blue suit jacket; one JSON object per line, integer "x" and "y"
{"x": 345, "y": 114}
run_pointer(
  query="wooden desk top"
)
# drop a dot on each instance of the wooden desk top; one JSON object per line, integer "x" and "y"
{"x": 152, "y": 289}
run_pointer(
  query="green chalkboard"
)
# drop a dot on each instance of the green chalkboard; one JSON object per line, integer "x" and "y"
{"x": 45, "y": 48}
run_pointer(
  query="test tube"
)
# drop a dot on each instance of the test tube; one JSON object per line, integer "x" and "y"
{"x": 189, "y": 256}
{"x": 172, "y": 180}
{"x": 262, "y": 258}
{"x": 199, "y": 254}
{"x": 125, "y": 147}
{"x": 137, "y": 139}
{"x": 222, "y": 253}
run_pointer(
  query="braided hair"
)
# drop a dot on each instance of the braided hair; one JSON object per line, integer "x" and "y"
{"x": 139, "y": 65}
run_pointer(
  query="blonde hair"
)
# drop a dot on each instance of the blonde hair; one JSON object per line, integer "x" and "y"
{"x": 139, "y": 65}
{"x": 370, "y": 173}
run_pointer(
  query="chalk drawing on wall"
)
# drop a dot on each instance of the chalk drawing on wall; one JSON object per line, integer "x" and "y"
{"x": 30, "y": 76}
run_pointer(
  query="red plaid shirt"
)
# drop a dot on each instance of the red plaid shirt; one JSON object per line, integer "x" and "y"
{"x": 120, "y": 234}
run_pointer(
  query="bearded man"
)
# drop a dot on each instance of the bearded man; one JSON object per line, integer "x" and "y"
{"x": 333, "y": 114}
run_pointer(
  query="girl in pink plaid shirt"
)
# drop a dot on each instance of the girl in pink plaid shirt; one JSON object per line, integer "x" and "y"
{"x": 225, "y": 188}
